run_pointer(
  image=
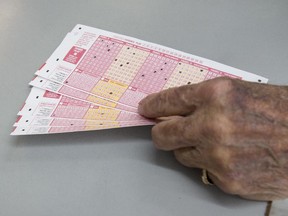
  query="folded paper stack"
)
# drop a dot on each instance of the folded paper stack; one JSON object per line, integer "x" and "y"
{"x": 95, "y": 79}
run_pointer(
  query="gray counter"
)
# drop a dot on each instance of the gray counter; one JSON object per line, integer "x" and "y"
{"x": 118, "y": 172}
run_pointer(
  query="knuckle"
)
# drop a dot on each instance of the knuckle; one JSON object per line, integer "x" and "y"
{"x": 185, "y": 96}
{"x": 217, "y": 127}
{"x": 221, "y": 86}
{"x": 231, "y": 185}
{"x": 186, "y": 156}
{"x": 221, "y": 157}
{"x": 220, "y": 153}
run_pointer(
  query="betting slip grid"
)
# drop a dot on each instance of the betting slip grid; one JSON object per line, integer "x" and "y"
{"x": 43, "y": 107}
{"x": 58, "y": 88}
{"x": 131, "y": 73}
{"x": 123, "y": 72}
{"x": 47, "y": 112}
{"x": 43, "y": 103}
{"x": 112, "y": 73}
{"x": 34, "y": 121}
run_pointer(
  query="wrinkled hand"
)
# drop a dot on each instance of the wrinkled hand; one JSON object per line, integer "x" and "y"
{"x": 236, "y": 130}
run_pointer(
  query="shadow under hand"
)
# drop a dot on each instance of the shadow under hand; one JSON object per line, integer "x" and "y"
{"x": 210, "y": 193}
{"x": 84, "y": 138}
{"x": 102, "y": 145}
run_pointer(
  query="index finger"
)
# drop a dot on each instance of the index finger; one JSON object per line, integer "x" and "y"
{"x": 181, "y": 100}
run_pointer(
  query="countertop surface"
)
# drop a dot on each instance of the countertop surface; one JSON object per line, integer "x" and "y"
{"x": 119, "y": 172}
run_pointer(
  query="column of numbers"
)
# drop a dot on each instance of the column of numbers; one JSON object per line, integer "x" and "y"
{"x": 132, "y": 98}
{"x": 99, "y": 57}
{"x": 100, "y": 101}
{"x": 66, "y": 122}
{"x": 65, "y": 129}
{"x": 154, "y": 73}
{"x": 185, "y": 74}
{"x": 126, "y": 64}
{"x": 101, "y": 114}
{"x": 70, "y": 108}
{"x": 72, "y": 92}
{"x": 109, "y": 89}
{"x": 125, "y": 116}
{"x": 211, "y": 75}
{"x": 81, "y": 81}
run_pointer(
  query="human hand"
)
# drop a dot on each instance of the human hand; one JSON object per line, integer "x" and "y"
{"x": 236, "y": 130}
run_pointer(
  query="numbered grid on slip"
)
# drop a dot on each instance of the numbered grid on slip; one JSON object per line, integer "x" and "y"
{"x": 63, "y": 111}
{"x": 65, "y": 129}
{"x": 100, "y": 101}
{"x": 109, "y": 89}
{"x": 81, "y": 81}
{"x": 99, "y": 57}
{"x": 185, "y": 74}
{"x": 125, "y": 124}
{"x": 73, "y": 92}
{"x": 66, "y": 122}
{"x": 99, "y": 127}
{"x": 73, "y": 102}
{"x": 115, "y": 123}
{"x": 132, "y": 98}
{"x": 126, "y": 108}
{"x": 70, "y": 108}
{"x": 101, "y": 114}
{"x": 124, "y": 116}
{"x": 126, "y": 64}
{"x": 154, "y": 73}
{"x": 211, "y": 75}
{"x": 91, "y": 123}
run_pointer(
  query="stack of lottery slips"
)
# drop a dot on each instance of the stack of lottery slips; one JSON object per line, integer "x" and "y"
{"x": 95, "y": 79}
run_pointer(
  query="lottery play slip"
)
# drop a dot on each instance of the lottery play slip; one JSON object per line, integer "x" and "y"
{"x": 95, "y": 79}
